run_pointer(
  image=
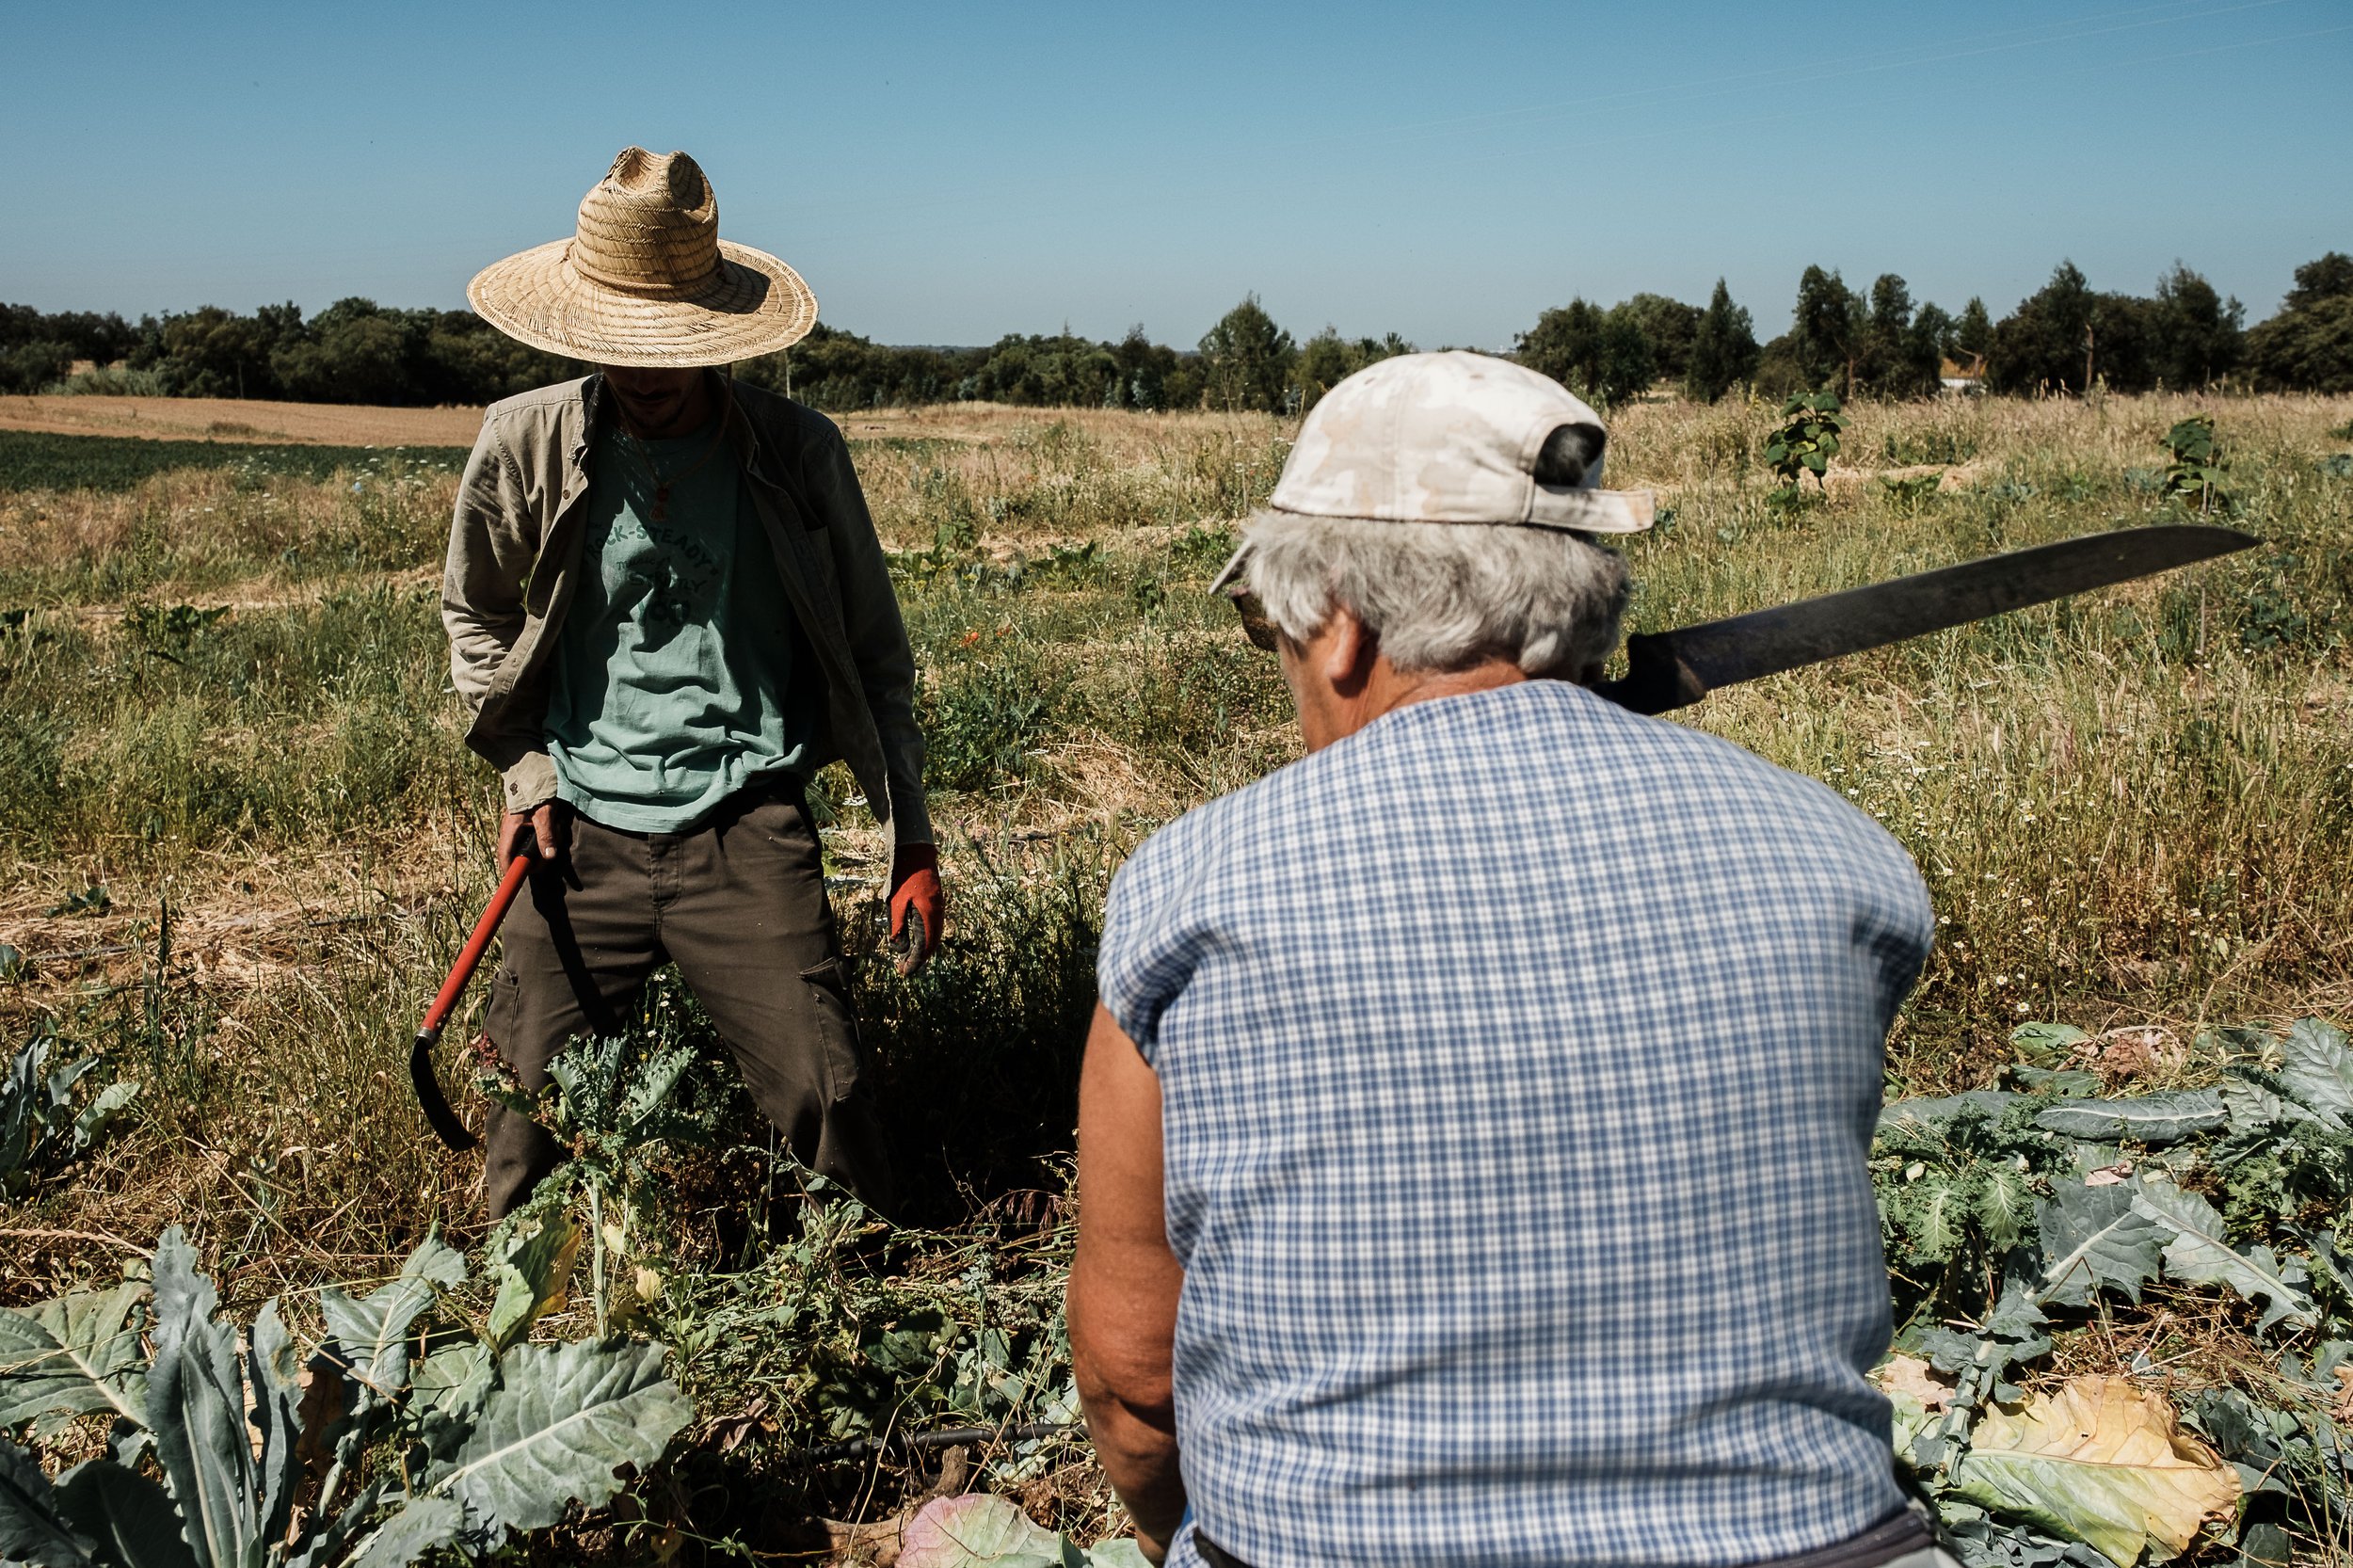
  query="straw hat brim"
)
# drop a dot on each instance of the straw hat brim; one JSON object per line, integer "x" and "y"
{"x": 752, "y": 304}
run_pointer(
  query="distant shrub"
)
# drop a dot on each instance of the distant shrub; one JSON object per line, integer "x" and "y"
{"x": 112, "y": 381}
{"x": 28, "y": 367}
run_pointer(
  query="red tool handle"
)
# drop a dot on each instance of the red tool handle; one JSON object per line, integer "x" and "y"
{"x": 468, "y": 956}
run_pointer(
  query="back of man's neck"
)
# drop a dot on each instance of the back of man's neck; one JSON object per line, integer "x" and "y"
{"x": 1388, "y": 689}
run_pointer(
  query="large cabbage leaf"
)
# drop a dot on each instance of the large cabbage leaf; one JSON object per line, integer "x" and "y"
{"x": 564, "y": 1418}
{"x": 2197, "y": 1254}
{"x": 72, "y": 1356}
{"x": 369, "y": 1336}
{"x": 2094, "y": 1236}
{"x": 2148, "y": 1119}
{"x": 980, "y": 1531}
{"x": 126, "y": 1514}
{"x": 196, "y": 1407}
{"x": 2101, "y": 1462}
{"x": 2318, "y": 1070}
{"x": 426, "y": 1523}
{"x": 31, "y": 1529}
{"x": 977, "y": 1530}
{"x": 532, "y": 1272}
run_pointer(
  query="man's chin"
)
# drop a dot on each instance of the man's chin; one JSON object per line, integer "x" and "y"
{"x": 648, "y": 416}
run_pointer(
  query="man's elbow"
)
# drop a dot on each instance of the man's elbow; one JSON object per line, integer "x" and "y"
{"x": 1130, "y": 1383}
{"x": 1126, "y": 1379}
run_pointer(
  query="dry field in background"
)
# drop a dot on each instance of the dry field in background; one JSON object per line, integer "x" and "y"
{"x": 230, "y": 419}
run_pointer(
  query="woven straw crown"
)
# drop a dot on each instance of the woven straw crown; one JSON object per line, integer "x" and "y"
{"x": 646, "y": 280}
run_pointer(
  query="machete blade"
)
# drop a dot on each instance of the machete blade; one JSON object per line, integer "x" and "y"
{"x": 1670, "y": 669}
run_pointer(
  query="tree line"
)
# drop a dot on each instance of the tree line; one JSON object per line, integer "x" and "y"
{"x": 1871, "y": 342}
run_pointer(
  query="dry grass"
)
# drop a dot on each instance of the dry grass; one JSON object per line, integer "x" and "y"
{"x": 2132, "y": 809}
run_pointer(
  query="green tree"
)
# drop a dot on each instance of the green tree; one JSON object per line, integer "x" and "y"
{"x": 1826, "y": 330}
{"x": 1063, "y": 370}
{"x": 1327, "y": 358}
{"x": 1628, "y": 364}
{"x": 2329, "y": 277}
{"x": 2196, "y": 339}
{"x": 354, "y": 352}
{"x": 1247, "y": 359}
{"x": 1723, "y": 349}
{"x": 1144, "y": 370}
{"x": 82, "y": 335}
{"x": 1931, "y": 344}
{"x": 2309, "y": 344}
{"x": 31, "y": 365}
{"x": 210, "y": 352}
{"x": 1603, "y": 356}
{"x": 1669, "y": 326}
{"x": 2065, "y": 337}
{"x": 1565, "y": 343}
{"x": 1972, "y": 334}
{"x": 1897, "y": 353}
{"x": 2049, "y": 340}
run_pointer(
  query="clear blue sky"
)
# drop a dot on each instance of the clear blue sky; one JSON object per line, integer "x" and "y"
{"x": 947, "y": 173}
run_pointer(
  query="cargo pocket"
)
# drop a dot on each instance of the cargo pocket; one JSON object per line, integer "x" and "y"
{"x": 836, "y": 1028}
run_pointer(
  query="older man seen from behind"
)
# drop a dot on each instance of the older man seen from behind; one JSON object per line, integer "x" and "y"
{"x": 1473, "y": 1131}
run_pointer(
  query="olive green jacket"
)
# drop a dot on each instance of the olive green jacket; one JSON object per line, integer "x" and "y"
{"x": 514, "y": 559}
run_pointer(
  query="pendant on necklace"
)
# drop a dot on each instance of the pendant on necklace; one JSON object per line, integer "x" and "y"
{"x": 662, "y": 504}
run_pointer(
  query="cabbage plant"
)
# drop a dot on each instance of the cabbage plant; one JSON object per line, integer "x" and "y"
{"x": 41, "y": 1121}
{"x": 229, "y": 1451}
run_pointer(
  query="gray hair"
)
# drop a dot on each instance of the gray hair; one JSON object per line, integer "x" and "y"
{"x": 1443, "y": 596}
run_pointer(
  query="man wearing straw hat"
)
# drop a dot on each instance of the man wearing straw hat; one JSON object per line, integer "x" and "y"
{"x": 666, "y": 609}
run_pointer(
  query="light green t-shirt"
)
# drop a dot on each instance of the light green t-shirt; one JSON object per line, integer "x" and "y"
{"x": 674, "y": 682}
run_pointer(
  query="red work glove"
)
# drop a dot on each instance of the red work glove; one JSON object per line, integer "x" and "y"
{"x": 915, "y": 886}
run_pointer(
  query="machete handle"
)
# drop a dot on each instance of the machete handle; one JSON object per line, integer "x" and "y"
{"x": 1655, "y": 680}
{"x": 430, "y": 1100}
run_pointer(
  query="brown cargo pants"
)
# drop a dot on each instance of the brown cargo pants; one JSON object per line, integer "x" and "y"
{"x": 739, "y": 904}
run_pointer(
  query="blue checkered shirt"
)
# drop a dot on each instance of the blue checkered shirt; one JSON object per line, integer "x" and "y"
{"x": 1518, "y": 1061}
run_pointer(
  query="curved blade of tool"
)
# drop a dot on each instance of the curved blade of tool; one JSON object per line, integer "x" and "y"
{"x": 1670, "y": 669}
{"x": 439, "y": 1114}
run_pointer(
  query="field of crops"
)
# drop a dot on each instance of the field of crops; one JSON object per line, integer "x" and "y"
{"x": 240, "y": 840}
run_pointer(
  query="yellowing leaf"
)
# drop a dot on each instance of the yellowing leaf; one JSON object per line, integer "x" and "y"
{"x": 534, "y": 1279}
{"x": 2101, "y": 1462}
{"x": 1909, "y": 1374}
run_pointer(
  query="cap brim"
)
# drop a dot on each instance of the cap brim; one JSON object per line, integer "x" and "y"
{"x": 1592, "y": 511}
{"x": 1231, "y": 572}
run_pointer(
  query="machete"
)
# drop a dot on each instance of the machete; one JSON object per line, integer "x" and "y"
{"x": 1673, "y": 670}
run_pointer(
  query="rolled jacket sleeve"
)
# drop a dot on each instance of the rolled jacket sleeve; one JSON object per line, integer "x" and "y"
{"x": 877, "y": 635}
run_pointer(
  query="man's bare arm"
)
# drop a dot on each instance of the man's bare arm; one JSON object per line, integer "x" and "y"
{"x": 1124, "y": 1285}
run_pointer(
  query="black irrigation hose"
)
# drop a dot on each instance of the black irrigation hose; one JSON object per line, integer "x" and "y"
{"x": 910, "y": 1442}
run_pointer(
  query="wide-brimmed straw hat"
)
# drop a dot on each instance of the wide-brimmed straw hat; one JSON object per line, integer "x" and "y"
{"x": 646, "y": 280}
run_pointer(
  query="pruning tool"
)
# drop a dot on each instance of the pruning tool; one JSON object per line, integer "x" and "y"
{"x": 446, "y": 1126}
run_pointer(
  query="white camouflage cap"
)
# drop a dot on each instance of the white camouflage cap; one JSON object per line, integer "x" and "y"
{"x": 1445, "y": 438}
